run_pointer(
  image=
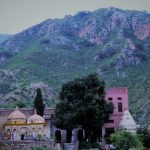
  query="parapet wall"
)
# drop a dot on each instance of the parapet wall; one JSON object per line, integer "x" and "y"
{"x": 24, "y": 145}
{"x": 117, "y": 90}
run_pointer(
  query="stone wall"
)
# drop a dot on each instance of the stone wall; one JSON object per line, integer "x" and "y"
{"x": 24, "y": 145}
{"x": 69, "y": 146}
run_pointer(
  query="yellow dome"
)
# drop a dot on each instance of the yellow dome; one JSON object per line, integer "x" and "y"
{"x": 36, "y": 119}
{"x": 16, "y": 115}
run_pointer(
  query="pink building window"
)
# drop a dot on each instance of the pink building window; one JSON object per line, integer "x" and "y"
{"x": 110, "y": 98}
{"x": 110, "y": 121}
{"x": 119, "y": 107}
{"x": 119, "y": 98}
{"x": 111, "y": 112}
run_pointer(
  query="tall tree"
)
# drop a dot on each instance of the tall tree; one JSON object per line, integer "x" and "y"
{"x": 82, "y": 104}
{"x": 38, "y": 103}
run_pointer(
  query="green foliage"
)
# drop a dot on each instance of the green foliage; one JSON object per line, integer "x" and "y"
{"x": 19, "y": 104}
{"x": 1, "y": 147}
{"x": 39, "y": 136}
{"x": 82, "y": 104}
{"x": 38, "y": 103}
{"x": 87, "y": 145}
{"x": 125, "y": 140}
{"x": 144, "y": 134}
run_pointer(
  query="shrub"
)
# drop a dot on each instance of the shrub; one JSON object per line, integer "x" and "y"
{"x": 125, "y": 140}
{"x": 86, "y": 145}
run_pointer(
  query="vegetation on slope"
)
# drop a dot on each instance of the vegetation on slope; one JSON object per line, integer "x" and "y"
{"x": 109, "y": 42}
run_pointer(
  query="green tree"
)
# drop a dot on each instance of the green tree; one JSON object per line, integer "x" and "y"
{"x": 144, "y": 133}
{"x": 38, "y": 103}
{"x": 125, "y": 140}
{"x": 82, "y": 104}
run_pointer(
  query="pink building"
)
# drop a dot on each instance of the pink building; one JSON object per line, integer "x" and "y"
{"x": 119, "y": 97}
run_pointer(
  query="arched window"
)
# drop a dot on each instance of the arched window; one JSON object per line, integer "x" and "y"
{"x": 8, "y": 130}
{"x": 58, "y": 136}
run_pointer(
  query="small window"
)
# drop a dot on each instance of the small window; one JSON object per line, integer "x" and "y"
{"x": 119, "y": 98}
{"x": 119, "y": 107}
{"x": 112, "y": 111}
{"x": 110, "y": 98}
{"x": 110, "y": 121}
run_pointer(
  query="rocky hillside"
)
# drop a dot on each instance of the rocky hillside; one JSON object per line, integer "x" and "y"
{"x": 112, "y": 42}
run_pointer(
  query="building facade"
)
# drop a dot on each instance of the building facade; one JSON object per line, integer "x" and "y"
{"x": 21, "y": 124}
{"x": 25, "y": 124}
{"x": 119, "y": 97}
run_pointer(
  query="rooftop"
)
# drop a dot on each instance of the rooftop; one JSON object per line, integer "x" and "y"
{"x": 117, "y": 90}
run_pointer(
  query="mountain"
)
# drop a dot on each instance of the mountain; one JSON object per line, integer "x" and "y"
{"x": 112, "y": 42}
{"x": 3, "y": 37}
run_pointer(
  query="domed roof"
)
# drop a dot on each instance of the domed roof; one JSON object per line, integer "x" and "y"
{"x": 16, "y": 115}
{"x": 36, "y": 119}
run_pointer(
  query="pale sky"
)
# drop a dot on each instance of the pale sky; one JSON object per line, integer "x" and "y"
{"x": 17, "y": 15}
